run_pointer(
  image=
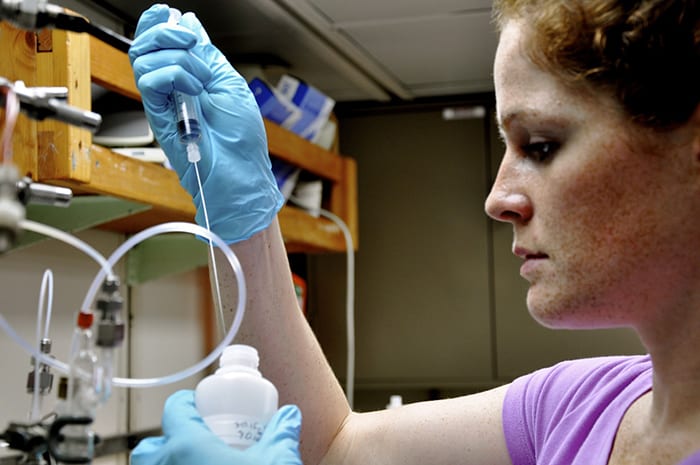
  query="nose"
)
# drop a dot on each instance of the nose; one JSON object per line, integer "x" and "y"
{"x": 507, "y": 201}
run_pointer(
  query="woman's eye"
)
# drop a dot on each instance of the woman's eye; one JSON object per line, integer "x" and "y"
{"x": 540, "y": 151}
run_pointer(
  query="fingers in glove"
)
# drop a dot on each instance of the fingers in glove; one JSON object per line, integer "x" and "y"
{"x": 157, "y": 84}
{"x": 148, "y": 451}
{"x": 284, "y": 426}
{"x": 180, "y": 416}
{"x": 222, "y": 71}
{"x": 156, "y": 14}
{"x": 162, "y": 36}
{"x": 167, "y": 57}
{"x": 188, "y": 437}
{"x": 190, "y": 21}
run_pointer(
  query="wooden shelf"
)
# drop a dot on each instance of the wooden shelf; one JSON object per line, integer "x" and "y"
{"x": 55, "y": 153}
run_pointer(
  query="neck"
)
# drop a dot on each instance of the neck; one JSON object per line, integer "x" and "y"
{"x": 674, "y": 349}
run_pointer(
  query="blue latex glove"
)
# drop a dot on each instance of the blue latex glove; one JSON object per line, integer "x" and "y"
{"x": 188, "y": 440}
{"x": 240, "y": 190}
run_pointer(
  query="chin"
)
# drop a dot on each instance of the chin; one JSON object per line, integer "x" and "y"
{"x": 559, "y": 315}
{"x": 550, "y": 321}
{"x": 556, "y": 315}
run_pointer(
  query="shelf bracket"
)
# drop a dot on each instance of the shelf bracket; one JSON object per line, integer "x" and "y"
{"x": 164, "y": 255}
{"x": 83, "y": 213}
{"x": 151, "y": 259}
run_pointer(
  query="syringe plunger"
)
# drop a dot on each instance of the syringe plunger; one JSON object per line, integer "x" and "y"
{"x": 187, "y": 123}
{"x": 188, "y": 129}
{"x": 186, "y": 112}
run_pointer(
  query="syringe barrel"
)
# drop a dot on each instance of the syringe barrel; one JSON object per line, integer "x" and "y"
{"x": 187, "y": 119}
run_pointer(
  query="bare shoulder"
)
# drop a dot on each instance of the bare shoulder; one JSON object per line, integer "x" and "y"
{"x": 463, "y": 430}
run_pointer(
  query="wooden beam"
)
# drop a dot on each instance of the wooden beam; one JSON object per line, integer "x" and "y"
{"x": 111, "y": 69}
{"x": 293, "y": 149}
{"x": 343, "y": 199}
{"x": 63, "y": 60}
{"x": 305, "y": 233}
{"x": 18, "y": 62}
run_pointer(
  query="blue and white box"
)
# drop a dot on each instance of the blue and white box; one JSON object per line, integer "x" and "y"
{"x": 315, "y": 106}
{"x": 274, "y": 106}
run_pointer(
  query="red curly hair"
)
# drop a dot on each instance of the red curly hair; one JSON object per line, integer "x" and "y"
{"x": 645, "y": 53}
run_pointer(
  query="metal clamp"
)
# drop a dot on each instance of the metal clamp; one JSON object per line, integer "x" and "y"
{"x": 40, "y": 103}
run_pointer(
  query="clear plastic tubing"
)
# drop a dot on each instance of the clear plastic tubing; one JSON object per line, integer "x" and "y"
{"x": 46, "y": 281}
{"x": 240, "y": 308}
{"x": 68, "y": 239}
{"x": 126, "y": 246}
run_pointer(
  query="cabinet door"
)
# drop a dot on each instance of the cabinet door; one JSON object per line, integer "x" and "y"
{"x": 422, "y": 300}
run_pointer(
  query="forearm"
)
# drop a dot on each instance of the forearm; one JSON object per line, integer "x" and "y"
{"x": 290, "y": 356}
{"x": 235, "y": 164}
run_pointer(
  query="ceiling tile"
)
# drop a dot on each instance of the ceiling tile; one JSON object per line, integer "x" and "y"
{"x": 455, "y": 52}
{"x": 431, "y": 48}
{"x": 340, "y": 11}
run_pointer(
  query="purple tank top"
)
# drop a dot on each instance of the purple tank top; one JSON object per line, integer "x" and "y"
{"x": 569, "y": 414}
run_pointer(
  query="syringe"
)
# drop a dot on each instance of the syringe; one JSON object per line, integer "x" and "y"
{"x": 186, "y": 113}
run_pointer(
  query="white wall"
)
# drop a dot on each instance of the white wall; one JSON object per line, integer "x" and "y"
{"x": 20, "y": 280}
{"x": 165, "y": 331}
{"x": 166, "y": 337}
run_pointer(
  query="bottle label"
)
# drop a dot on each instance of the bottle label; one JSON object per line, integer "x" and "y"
{"x": 236, "y": 430}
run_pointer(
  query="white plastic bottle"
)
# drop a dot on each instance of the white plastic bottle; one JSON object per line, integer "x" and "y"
{"x": 236, "y": 402}
{"x": 395, "y": 401}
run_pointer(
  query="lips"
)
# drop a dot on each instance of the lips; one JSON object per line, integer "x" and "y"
{"x": 527, "y": 254}
{"x": 533, "y": 260}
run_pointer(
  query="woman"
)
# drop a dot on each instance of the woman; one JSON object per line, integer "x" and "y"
{"x": 598, "y": 105}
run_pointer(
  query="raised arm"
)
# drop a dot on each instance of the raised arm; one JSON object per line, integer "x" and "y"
{"x": 243, "y": 201}
{"x": 290, "y": 356}
{"x": 464, "y": 430}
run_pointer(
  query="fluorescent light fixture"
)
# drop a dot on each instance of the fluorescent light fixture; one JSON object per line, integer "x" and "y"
{"x": 468, "y": 112}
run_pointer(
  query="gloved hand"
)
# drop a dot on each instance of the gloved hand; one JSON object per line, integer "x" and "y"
{"x": 240, "y": 190}
{"x": 188, "y": 440}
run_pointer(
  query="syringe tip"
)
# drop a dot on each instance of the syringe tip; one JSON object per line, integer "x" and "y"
{"x": 193, "y": 155}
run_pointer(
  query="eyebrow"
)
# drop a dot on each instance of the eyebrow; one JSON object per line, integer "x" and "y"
{"x": 503, "y": 123}
{"x": 526, "y": 115}
{"x": 509, "y": 117}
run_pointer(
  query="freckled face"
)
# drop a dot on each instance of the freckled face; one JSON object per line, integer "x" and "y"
{"x": 607, "y": 226}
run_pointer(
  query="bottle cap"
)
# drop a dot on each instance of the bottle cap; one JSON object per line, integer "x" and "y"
{"x": 240, "y": 354}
